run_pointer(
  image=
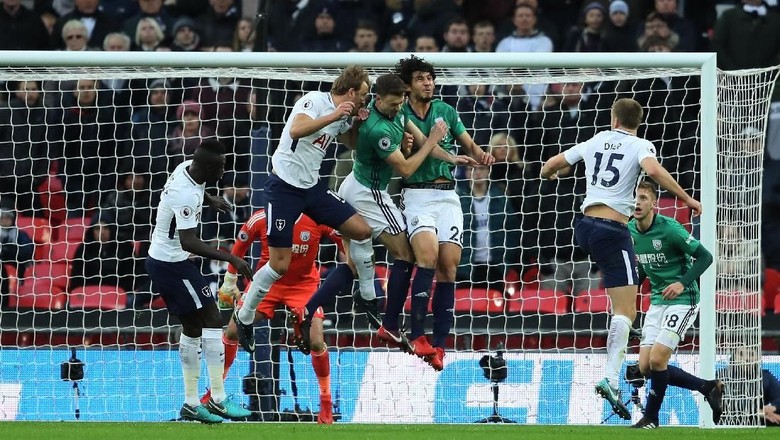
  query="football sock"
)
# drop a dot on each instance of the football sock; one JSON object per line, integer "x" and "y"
{"x": 189, "y": 354}
{"x": 231, "y": 348}
{"x": 617, "y": 340}
{"x": 213, "y": 351}
{"x": 321, "y": 363}
{"x": 397, "y": 289}
{"x": 261, "y": 284}
{"x": 338, "y": 279}
{"x": 443, "y": 303}
{"x": 362, "y": 254}
{"x": 421, "y": 288}
{"x": 659, "y": 380}
{"x": 683, "y": 379}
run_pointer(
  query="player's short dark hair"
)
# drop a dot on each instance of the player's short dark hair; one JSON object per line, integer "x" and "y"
{"x": 650, "y": 186}
{"x": 213, "y": 146}
{"x": 628, "y": 112}
{"x": 352, "y": 77}
{"x": 407, "y": 66}
{"x": 389, "y": 84}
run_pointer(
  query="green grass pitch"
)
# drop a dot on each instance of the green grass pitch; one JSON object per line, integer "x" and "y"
{"x": 283, "y": 431}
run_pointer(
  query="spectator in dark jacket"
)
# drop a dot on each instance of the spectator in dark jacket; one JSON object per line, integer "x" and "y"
{"x": 748, "y": 37}
{"x": 101, "y": 259}
{"x": 20, "y": 28}
{"x": 589, "y": 36}
{"x": 16, "y": 249}
{"x": 153, "y": 9}
{"x": 620, "y": 33}
{"x": 219, "y": 23}
{"x": 98, "y": 23}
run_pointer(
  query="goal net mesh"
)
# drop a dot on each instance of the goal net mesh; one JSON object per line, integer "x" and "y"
{"x": 84, "y": 154}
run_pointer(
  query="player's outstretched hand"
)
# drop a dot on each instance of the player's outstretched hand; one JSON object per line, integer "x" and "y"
{"x": 218, "y": 203}
{"x": 242, "y": 267}
{"x": 695, "y": 206}
{"x": 673, "y": 290}
{"x": 438, "y": 131}
{"x": 462, "y": 159}
{"x": 485, "y": 158}
{"x": 362, "y": 114}
{"x": 343, "y": 110}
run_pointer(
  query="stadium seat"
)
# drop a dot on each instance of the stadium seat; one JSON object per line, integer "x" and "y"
{"x": 539, "y": 301}
{"x": 13, "y": 281}
{"x": 381, "y": 277}
{"x": 73, "y": 229}
{"x": 38, "y": 229}
{"x": 594, "y": 301}
{"x": 643, "y": 299}
{"x": 777, "y": 305}
{"x": 58, "y": 273}
{"x": 675, "y": 208}
{"x": 38, "y": 294}
{"x": 479, "y": 301}
{"x": 97, "y": 298}
{"x": 771, "y": 286}
{"x": 63, "y": 251}
{"x": 729, "y": 301}
{"x": 52, "y": 197}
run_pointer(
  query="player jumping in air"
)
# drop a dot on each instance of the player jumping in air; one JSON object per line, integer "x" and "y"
{"x": 295, "y": 188}
{"x": 291, "y": 290}
{"x": 178, "y": 280}
{"x": 432, "y": 210}
{"x": 664, "y": 250}
{"x": 614, "y": 160}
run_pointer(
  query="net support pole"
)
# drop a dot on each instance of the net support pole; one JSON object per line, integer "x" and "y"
{"x": 709, "y": 189}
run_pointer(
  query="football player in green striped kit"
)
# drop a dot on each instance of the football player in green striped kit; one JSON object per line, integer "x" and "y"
{"x": 665, "y": 249}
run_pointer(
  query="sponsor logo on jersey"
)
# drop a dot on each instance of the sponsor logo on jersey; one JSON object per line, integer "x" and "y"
{"x": 305, "y": 235}
{"x": 385, "y": 143}
{"x": 280, "y": 223}
{"x": 657, "y": 245}
{"x": 243, "y": 236}
{"x": 186, "y": 212}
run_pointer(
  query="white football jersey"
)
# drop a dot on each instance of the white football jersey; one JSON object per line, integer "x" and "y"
{"x": 297, "y": 162}
{"x": 180, "y": 206}
{"x": 612, "y": 168}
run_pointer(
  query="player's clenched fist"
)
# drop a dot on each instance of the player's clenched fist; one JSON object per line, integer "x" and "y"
{"x": 438, "y": 131}
{"x": 344, "y": 110}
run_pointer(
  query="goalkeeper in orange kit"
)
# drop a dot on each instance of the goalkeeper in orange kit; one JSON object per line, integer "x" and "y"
{"x": 292, "y": 290}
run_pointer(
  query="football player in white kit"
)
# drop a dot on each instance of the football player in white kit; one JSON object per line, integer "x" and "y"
{"x": 295, "y": 187}
{"x": 614, "y": 160}
{"x": 178, "y": 280}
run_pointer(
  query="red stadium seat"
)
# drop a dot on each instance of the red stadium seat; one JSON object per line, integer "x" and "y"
{"x": 771, "y": 287}
{"x": 777, "y": 305}
{"x": 63, "y": 251}
{"x": 479, "y": 301}
{"x": 382, "y": 274}
{"x": 539, "y": 301}
{"x": 672, "y": 207}
{"x": 38, "y": 229}
{"x": 58, "y": 273}
{"x": 595, "y": 301}
{"x": 52, "y": 197}
{"x": 97, "y": 298}
{"x": 73, "y": 229}
{"x": 643, "y": 299}
{"x": 39, "y": 294}
{"x": 13, "y": 281}
{"x": 158, "y": 303}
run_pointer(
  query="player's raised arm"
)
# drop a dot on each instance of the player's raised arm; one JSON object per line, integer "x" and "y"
{"x": 665, "y": 180}
{"x": 553, "y": 165}
{"x": 191, "y": 243}
{"x": 406, "y": 166}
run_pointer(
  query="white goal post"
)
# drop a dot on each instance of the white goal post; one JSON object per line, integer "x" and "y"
{"x": 725, "y": 105}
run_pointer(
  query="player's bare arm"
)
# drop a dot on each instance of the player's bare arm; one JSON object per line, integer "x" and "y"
{"x": 555, "y": 164}
{"x": 438, "y": 152}
{"x": 192, "y": 244}
{"x": 349, "y": 139}
{"x": 665, "y": 180}
{"x": 407, "y": 166}
{"x": 216, "y": 202}
{"x": 303, "y": 125}
{"x": 475, "y": 151}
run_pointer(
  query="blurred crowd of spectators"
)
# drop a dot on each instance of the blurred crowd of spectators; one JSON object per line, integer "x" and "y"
{"x": 109, "y": 142}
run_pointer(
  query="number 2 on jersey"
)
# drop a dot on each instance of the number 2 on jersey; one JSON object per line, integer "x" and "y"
{"x": 614, "y": 157}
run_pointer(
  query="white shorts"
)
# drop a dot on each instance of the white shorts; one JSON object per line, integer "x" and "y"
{"x": 374, "y": 205}
{"x": 667, "y": 324}
{"x": 433, "y": 210}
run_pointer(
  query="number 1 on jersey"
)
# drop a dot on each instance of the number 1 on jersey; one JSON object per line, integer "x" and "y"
{"x": 614, "y": 157}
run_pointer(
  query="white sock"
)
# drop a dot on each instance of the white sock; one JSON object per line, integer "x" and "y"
{"x": 214, "y": 352}
{"x": 362, "y": 254}
{"x": 617, "y": 340}
{"x": 261, "y": 284}
{"x": 189, "y": 353}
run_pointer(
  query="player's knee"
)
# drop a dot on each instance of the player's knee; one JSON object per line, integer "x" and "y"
{"x": 446, "y": 274}
{"x": 404, "y": 253}
{"x": 426, "y": 258}
{"x": 644, "y": 367}
{"x": 658, "y": 362}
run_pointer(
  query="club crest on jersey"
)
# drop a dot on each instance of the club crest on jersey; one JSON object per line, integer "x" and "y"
{"x": 415, "y": 221}
{"x": 206, "y": 290}
{"x": 280, "y": 223}
{"x": 305, "y": 235}
{"x": 243, "y": 236}
{"x": 657, "y": 245}
{"x": 385, "y": 143}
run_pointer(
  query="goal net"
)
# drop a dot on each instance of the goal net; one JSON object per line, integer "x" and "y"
{"x": 85, "y": 151}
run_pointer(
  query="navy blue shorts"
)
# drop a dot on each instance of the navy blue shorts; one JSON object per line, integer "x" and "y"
{"x": 181, "y": 285}
{"x": 285, "y": 203}
{"x": 610, "y": 246}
